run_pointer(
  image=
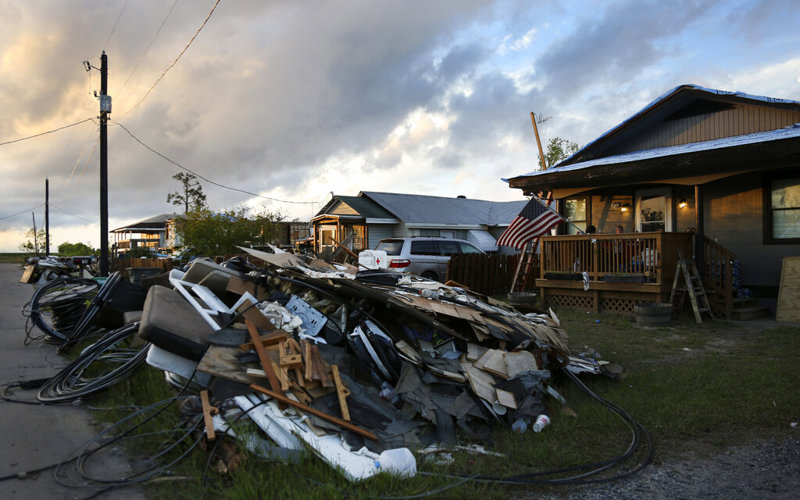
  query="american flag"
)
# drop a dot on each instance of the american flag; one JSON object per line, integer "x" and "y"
{"x": 535, "y": 220}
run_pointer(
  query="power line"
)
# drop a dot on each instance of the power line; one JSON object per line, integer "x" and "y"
{"x": 116, "y": 23}
{"x": 22, "y": 212}
{"x": 45, "y": 133}
{"x": 72, "y": 215}
{"x": 205, "y": 178}
{"x": 141, "y": 57}
{"x": 175, "y": 61}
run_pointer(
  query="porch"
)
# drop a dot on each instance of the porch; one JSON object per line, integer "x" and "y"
{"x": 623, "y": 269}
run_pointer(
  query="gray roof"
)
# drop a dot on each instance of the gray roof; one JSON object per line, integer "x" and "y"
{"x": 366, "y": 207}
{"x": 423, "y": 209}
{"x": 155, "y": 222}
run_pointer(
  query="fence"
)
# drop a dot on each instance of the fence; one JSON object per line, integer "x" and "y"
{"x": 487, "y": 274}
{"x": 122, "y": 264}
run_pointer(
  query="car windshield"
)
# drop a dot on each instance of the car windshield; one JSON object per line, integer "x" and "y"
{"x": 391, "y": 247}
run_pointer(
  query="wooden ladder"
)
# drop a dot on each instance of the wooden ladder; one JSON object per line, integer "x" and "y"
{"x": 693, "y": 285}
{"x": 524, "y": 265}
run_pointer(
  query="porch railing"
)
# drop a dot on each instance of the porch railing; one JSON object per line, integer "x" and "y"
{"x": 637, "y": 257}
{"x": 718, "y": 274}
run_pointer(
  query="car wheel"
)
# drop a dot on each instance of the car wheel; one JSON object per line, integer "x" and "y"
{"x": 430, "y": 275}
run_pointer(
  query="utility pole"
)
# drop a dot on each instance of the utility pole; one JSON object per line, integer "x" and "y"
{"x": 35, "y": 239}
{"x": 105, "y": 109}
{"x": 538, "y": 142}
{"x": 46, "y": 216}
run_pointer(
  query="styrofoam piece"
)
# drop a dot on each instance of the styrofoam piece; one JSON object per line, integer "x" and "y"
{"x": 167, "y": 361}
{"x": 269, "y": 417}
{"x": 286, "y": 430}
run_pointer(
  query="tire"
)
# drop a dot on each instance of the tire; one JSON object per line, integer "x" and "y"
{"x": 430, "y": 275}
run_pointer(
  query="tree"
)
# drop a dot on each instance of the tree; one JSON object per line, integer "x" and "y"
{"x": 219, "y": 233}
{"x": 34, "y": 242}
{"x": 68, "y": 249}
{"x": 558, "y": 149}
{"x": 192, "y": 198}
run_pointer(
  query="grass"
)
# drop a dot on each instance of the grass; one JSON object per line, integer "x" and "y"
{"x": 697, "y": 389}
{"x": 13, "y": 258}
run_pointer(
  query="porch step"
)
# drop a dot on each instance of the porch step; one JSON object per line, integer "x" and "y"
{"x": 747, "y": 313}
{"x": 738, "y": 302}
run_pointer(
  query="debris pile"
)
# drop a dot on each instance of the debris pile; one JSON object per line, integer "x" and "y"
{"x": 360, "y": 367}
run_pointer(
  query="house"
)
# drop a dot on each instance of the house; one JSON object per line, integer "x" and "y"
{"x": 724, "y": 166}
{"x": 150, "y": 233}
{"x": 372, "y": 216}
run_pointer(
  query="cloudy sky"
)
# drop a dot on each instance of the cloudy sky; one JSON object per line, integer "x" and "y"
{"x": 294, "y": 100}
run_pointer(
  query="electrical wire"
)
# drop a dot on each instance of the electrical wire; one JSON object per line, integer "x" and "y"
{"x": 22, "y": 212}
{"x": 57, "y": 306}
{"x": 116, "y": 23}
{"x": 120, "y": 362}
{"x": 141, "y": 57}
{"x": 70, "y": 214}
{"x": 173, "y": 62}
{"x": 45, "y": 133}
{"x": 205, "y": 178}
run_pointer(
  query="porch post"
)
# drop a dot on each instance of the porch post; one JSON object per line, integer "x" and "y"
{"x": 699, "y": 237}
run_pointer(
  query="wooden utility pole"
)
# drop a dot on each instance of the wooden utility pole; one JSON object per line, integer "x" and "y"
{"x": 538, "y": 141}
{"x": 46, "y": 216}
{"x": 105, "y": 109}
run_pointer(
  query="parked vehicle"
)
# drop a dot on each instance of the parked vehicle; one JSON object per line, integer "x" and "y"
{"x": 425, "y": 256}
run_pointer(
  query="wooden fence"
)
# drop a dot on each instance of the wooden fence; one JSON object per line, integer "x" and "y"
{"x": 122, "y": 264}
{"x": 487, "y": 274}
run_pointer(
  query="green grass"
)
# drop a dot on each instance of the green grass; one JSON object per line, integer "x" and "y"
{"x": 13, "y": 258}
{"x": 697, "y": 389}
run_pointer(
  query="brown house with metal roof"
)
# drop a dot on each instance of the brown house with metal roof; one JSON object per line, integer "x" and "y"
{"x": 725, "y": 165}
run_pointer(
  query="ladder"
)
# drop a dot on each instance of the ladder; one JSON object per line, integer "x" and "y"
{"x": 693, "y": 285}
{"x": 524, "y": 266}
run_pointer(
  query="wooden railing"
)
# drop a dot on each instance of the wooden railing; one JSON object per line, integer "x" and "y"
{"x": 644, "y": 257}
{"x": 718, "y": 273}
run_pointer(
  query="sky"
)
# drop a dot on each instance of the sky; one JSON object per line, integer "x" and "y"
{"x": 295, "y": 100}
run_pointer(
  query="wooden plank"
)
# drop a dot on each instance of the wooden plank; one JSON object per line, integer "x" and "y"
{"x": 266, "y": 362}
{"x": 506, "y": 399}
{"x": 341, "y": 391}
{"x": 482, "y": 383}
{"x": 788, "y": 307}
{"x": 270, "y": 339}
{"x": 475, "y": 351}
{"x": 222, "y": 362}
{"x": 493, "y": 363}
{"x": 313, "y": 411}
{"x": 520, "y": 362}
{"x": 208, "y": 412}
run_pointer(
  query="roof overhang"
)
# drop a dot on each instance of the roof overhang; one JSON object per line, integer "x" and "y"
{"x": 423, "y": 225}
{"x": 696, "y": 163}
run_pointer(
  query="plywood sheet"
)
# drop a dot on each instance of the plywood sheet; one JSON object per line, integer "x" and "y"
{"x": 520, "y": 362}
{"x": 788, "y": 308}
{"x": 222, "y": 362}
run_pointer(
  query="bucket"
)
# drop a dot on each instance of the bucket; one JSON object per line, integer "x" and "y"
{"x": 653, "y": 314}
{"x": 522, "y": 301}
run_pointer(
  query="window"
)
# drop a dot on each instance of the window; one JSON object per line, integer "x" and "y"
{"x": 653, "y": 210}
{"x": 783, "y": 214}
{"x": 467, "y": 248}
{"x": 449, "y": 247}
{"x": 424, "y": 247}
{"x": 575, "y": 212}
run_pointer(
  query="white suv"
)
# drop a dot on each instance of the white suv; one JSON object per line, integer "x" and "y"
{"x": 425, "y": 256}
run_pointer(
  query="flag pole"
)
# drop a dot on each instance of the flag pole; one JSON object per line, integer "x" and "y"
{"x": 581, "y": 231}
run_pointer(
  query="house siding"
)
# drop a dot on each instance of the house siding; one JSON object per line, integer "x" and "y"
{"x": 734, "y": 217}
{"x": 377, "y": 232}
{"x": 742, "y": 119}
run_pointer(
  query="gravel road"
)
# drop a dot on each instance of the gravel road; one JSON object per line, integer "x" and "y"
{"x": 769, "y": 470}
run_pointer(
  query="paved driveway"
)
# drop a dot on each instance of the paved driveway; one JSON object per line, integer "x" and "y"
{"x": 36, "y": 436}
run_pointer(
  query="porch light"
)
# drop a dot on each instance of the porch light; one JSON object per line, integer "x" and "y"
{"x": 624, "y": 207}
{"x": 682, "y": 203}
